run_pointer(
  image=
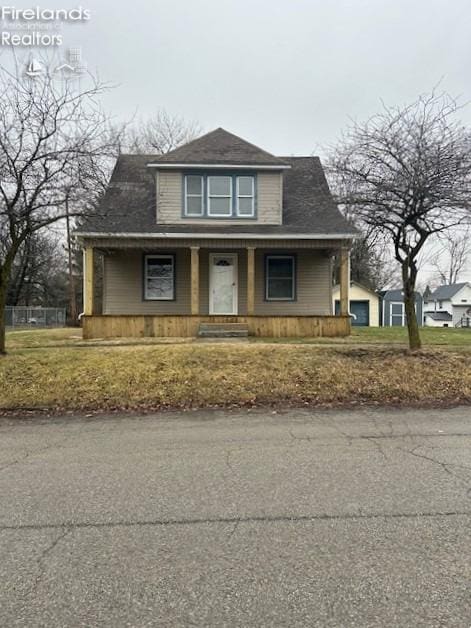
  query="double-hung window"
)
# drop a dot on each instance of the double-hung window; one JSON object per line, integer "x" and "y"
{"x": 280, "y": 278}
{"x": 219, "y": 196}
{"x": 194, "y": 195}
{"x": 159, "y": 277}
{"x": 245, "y": 196}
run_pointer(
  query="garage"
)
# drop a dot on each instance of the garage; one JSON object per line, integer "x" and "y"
{"x": 364, "y": 305}
{"x": 360, "y": 311}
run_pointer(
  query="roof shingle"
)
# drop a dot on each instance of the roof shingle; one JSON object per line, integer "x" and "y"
{"x": 442, "y": 293}
{"x": 129, "y": 204}
{"x": 220, "y": 147}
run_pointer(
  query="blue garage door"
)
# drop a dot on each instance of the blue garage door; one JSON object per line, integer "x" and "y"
{"x": 360, "y": 311}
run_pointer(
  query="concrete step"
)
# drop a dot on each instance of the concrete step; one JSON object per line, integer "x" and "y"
{"x": 223, "y": 333}
{"x": 223, "y": 330}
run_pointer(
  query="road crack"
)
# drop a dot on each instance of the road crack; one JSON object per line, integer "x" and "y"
{"x": 43, "y": 558}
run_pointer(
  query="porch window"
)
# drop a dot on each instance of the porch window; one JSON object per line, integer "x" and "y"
{"x": 280, "y": 280}
{"x": 245, "y": 196}
{"x": 194, "y": 196}
{"x": 220, "y": 196}
{"x": 159, "y": 277}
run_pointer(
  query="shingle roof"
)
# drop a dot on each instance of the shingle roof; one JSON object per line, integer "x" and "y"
{"x": 220, "y": 147}
{"x": 129, "y": 203}
{"x": 439, "y": 316}
{"x": 442, "y": 293}
{"x": 396, "y": 295}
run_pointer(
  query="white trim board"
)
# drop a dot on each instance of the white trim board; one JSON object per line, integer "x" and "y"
{"x": 220, "y": 166}
{"x": 224, "y": 236}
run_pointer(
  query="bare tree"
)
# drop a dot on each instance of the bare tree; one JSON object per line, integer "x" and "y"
{"x": 406, "y": 173}
{"x": 370, "y": 257}
{"x": 451, "y": 259}
{"x": 160, "y": 133}
{"x": 38, "y": 275}
{"x": 52, "y": 136}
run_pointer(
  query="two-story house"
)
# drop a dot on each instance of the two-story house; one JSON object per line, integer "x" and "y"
{"x": 217, "y": 232}
{"x": 449, "y": 306}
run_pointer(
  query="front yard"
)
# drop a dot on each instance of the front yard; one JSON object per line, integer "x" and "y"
{"x": 55, "y": 371}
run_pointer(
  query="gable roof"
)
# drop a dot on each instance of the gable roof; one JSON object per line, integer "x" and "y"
{"x": 358, "y": 285}
{"x": 439, "y": 316}
{"x": 397, "y": 295}
{"x": 129, "y": 204}
{"x": 220, "y": 147}
{"x": 442, "y": 293}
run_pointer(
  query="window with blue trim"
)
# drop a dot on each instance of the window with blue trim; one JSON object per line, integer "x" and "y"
{"x": 219, "y": 195}
{"x": 280, "y": 278}
{"x": 245, "y": 196}
{"x": 159, "y": 277}
{"x": 194, "y": 195}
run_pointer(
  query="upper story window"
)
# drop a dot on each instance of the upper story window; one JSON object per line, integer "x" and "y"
{"x": 194, "y": 195}
{"x": 245, "y": 196}
{"x": 219, "y": 196}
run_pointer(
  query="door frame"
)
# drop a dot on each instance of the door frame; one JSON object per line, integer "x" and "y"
{"x": 235, "y": 291}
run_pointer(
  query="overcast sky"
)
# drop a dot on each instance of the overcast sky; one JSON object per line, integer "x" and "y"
{"x": 284, "y": 75}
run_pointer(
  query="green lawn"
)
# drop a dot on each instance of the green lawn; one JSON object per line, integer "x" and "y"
{"x": 56, "y": 371}
{"x": 443, "y": 337}
{"x": 458, "y": 339}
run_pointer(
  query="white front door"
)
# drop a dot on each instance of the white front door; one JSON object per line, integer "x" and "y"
{"x": 223, "y": 283}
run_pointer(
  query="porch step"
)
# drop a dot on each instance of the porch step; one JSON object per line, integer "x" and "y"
{"x": 223, "y": 330}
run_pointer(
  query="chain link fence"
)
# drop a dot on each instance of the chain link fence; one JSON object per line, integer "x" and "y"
{"x": 21, "y": 316}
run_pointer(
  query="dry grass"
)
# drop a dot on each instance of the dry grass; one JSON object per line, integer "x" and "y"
{"x": 62, "y": 373}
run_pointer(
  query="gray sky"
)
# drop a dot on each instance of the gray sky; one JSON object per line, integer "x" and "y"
{"x": 284, "y": 75}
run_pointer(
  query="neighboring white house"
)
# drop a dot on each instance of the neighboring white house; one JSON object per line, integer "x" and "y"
{"x": 364, "y": 305}
{"x": 438, "y": 319}
{"x": 449, "y": 306}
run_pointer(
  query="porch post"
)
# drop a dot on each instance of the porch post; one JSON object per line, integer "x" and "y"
{"x": 195, "y": 280}
{"x": 250, "y": 280}
{"x": 88, "y": 281}
{"x": 344, "y": 282}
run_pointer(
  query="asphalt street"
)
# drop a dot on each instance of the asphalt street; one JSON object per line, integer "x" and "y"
{"x": 300, "y": 518}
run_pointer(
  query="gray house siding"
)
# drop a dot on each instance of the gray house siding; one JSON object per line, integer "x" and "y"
{"x": 123, "y": 283}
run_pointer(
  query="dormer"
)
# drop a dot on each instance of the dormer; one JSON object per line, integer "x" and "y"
{"x": 219, "y": 178}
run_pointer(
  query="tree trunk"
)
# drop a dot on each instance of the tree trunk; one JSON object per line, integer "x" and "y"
{"x": 3, "y": 302}
{"x": 409, "y": 276}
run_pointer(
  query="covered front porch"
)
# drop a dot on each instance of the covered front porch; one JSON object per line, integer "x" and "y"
{"x": 278, "y": 288}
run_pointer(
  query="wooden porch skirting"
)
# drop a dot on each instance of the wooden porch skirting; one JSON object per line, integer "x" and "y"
{"x": 183, "y": 326}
